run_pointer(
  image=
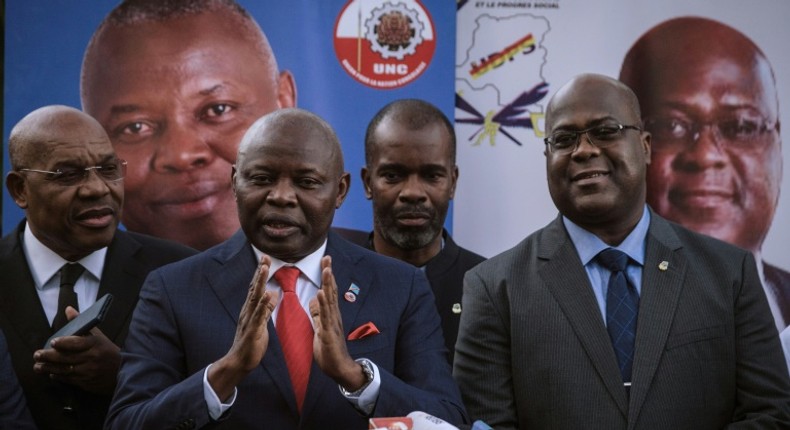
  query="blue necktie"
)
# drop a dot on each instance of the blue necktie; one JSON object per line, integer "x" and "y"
{"x": 622, "y": 306}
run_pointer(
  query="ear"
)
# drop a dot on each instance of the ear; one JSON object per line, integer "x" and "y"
{"x": 286, "y": 90}
{"x": 646, "y": 143}
{"x": 365, "y": 175}
{"x": 17, "y": 188}
{"x": 233, "y": 173}
{"x": 454, "y": 181}
{"x": 342, "y": 192}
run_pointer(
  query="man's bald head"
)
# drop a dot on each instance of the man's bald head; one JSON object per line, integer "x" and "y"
{"x": 285, "y": 121}
{"x": 592, "y": 82}
{"x": 132, "y": 13}
{"x": 674, "y": 48}
{"x": 32, "y": 137}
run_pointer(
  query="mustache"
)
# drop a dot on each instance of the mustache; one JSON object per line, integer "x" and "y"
{"x": 413, "y": 210}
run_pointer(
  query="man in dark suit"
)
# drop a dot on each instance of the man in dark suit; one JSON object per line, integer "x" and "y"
{"x": 372, "y": 348}
{"x": 67, "y": 178}
{"x": 713, "y": 111}
{"x": 410, "y": 177}
{"x": 677, "y": 337}
{"x": 13, "y": 408}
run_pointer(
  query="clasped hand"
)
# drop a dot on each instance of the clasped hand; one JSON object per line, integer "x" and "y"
{"x": 252, "y": 335}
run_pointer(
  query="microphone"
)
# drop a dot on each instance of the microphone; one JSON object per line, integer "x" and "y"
{"x": 479, "y": 425}
{"x": 390, "y": 423}
{"x": 416, "y": 420}
{"x": 423, "y": 421}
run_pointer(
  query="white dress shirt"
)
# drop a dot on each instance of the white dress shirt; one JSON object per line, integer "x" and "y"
{"x": 307, "y": 286}
{"x": 45, "y": 267}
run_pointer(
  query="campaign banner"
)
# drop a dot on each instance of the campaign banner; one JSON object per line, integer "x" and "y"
{"x": 713, "y": 79}
{"x": 348, "y": 59}
{"x": 511, "y": 56}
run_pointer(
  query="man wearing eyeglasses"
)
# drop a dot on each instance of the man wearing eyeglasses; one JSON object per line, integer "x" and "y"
{"x": 611, "y": 317}
{"x": 66, "y": 253}
{"x": 713, "y": 112}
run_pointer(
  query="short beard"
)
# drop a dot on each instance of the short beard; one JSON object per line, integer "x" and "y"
{"x": 407, "y": 239}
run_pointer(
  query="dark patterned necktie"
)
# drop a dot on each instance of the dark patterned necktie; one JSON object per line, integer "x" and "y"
{"x": 622, "y": 307}
{"x": 69, "y": 274}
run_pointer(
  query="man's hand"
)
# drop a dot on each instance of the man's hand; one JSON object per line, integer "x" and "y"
{"x": 89, "y": 362}
{"x": 329, "y": 344}
{"x": 252, "y": 336}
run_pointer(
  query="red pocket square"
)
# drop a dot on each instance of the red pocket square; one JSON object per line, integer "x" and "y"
{"x": 367, "y": 329}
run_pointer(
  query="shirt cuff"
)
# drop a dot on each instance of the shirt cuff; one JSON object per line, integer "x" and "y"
{"x": 215, "y": 406}
{"x": 365, "y": 400}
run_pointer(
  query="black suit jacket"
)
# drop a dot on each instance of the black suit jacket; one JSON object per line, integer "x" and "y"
{"x": 779, "y": 281}
{"x": 130, "y": 257}
{"x": 533, "y": 351}
{"x": 445, "y": 273}
{"x": 13, "y": 409}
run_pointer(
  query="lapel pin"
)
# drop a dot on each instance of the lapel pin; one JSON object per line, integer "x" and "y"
{"x": 351, "y": 294}
{"x": 664, "y": 265}
{"x": 456, "y": 308}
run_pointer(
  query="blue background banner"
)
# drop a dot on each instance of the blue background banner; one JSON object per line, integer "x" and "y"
{"x": 45, "y": 41}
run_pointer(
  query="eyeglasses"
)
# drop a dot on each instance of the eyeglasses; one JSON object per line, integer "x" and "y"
{"x": 676, "y": 134}
{"x": 602, "y": 136}
{"x": 69, "y": 176}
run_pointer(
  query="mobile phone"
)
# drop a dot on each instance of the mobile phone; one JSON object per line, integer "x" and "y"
{"x": 84, "y": 321}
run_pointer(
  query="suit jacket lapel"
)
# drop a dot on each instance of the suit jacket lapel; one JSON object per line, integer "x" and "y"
{"x": 230, "y": 283}
{"x": 344, "y": 261}
{"x": 567, "y": 280}
{"x": 122, "y": 276}
{"x": 659, "y": 298}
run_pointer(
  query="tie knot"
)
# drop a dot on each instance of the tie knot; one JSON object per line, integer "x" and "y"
{"x": 69, "y": 274}
{"x": 286, "y": 276}
{"x": 612, "y": 259}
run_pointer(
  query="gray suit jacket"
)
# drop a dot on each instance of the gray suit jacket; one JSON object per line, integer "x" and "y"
{"x": 533, "y": 351}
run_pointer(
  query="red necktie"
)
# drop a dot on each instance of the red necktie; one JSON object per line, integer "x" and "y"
{"x": 295, "y": 333}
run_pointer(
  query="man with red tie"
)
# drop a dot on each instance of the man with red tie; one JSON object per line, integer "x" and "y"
{"x": 325, "y": 335}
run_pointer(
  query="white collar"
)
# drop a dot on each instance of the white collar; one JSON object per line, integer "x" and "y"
{"x": 45, "y": 263}
{"x": 310, "y": 265}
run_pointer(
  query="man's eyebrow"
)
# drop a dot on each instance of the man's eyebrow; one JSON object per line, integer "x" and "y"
{"x": 211, "y": 90}
{"x": 121, "y": 109}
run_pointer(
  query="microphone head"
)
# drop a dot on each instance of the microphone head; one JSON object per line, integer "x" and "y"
{"x": 479, "y": 425}
{"x": 390, "y": 423}
{"x": 423, "y": 421}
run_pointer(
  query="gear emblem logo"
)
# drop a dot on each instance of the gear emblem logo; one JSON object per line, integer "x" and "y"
{"x": 394, "y": 31}
{"x": 384, "y": 44}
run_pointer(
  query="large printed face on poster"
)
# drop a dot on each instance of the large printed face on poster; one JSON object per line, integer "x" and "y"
{"x": 177, "y": 84}
{"x": 710, "y": 78}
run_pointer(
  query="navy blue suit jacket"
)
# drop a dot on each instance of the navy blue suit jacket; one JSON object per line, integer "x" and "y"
{"x": 187, "y": 319}
{"x": 445, "y": 272}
